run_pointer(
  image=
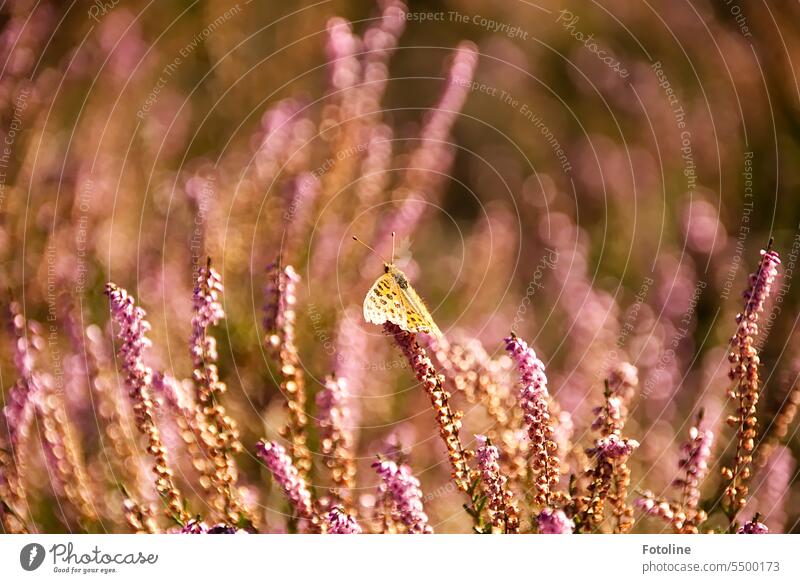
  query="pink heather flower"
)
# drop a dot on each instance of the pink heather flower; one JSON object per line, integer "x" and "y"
{"x": 448, "y": 420}
{"x": 279, "y": 323}
{"x": 534, "y": 400}
{"x": 613, "y": 447}
{"x": 774, "y": 489}
{"x": 623, "y": 378}
{"x": 501, "y": 509}
{"x": 380, "y": 42}
{"x": 753, "y": 527}
{"x": 342, "y": 49}
{"x": 459, "y": 78}
{"x": 340, "y": 522}
{"x": 174, "y": 393}
{"x": 208, "y": 312}
{"x": 287, "y": 477}
{"x": 554, "y": 522}
{"x": 403, "y": 490}
{"x": 430, "y": 161}
{"x": 755, "y": 296}
{"x": 761, "y": 283}
{"x": 352, "y": 348}
{"x": 702, "y": 228}
{"x": 220, "y": 430}
{"x": 336, "y": 437}
{"x": 133, "y": 334}
{"x": 384, "y": 35}
{"x": 196, "y": 526}
{"x": 745, "y": 361}
{"x": 334, "y": 414}
{"x": 274, "y": 142}
{"x": 279, "y": 298}
{"x": 608, "y": 415}
{"x": 695, "y": 464}
{"x": 133, "y": 330}
{"x": 653, "y": 507}
{"x": 23, "y": 396}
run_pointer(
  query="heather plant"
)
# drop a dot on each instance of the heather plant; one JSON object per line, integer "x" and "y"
{"x": 555, "y": 343}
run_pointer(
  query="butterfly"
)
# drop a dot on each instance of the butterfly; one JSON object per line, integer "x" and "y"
{"x": 392, "y": 299}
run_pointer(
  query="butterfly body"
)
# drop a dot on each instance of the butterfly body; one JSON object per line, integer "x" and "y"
{"x": 392, "y": 299}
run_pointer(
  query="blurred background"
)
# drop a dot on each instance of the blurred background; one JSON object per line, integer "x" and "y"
{"x": 598, "y": 177}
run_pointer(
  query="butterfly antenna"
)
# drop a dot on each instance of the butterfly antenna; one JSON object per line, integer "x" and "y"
{"x": 392, "y": 247}
{"x": 368, "y": 247}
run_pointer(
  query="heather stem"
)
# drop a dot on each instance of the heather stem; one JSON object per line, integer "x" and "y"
{"x": 744, "y": 373}
{"x": 279, "y": 324}
{"x": 449, "y": 421}
{"x": 219, "y": 434}
{"x": 336, "y": 439}
{"x": 534, "y": 401}
{"x": 133, "y": 330}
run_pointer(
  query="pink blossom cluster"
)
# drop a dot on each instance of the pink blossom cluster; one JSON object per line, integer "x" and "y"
{"x": 533, "y": 395}
{"x": 502, "y": 512}
{"x": 552, "y": 521}
{"x": 403, "y": 489}
{"x": 133, "y": 334}
{"x": 279, "y": 298}
{"x": 648, "y": 504}
{"x": 285, "y": 474}
{"x": 694, "y": 463}
{"x": 613, "y": 447}
{"x": 753, "y": 527}
{"x": 761, "y": 283}
{"x": 339, "y": 522}
{"x": 208, "y": 312}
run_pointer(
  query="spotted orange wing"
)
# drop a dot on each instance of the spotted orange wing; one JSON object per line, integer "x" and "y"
{"x": 384, "y": 303}
{"x": 419, "y": 318}
{"x": 389, "y": 301}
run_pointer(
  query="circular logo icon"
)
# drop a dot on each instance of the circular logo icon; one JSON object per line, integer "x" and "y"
{"x": 31, "y": 556}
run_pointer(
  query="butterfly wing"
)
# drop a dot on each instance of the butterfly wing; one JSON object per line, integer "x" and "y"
{"x": 384, "y": 303}
{"x": 392, "y": 299}
{"x": 419, "y": 318}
